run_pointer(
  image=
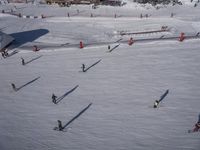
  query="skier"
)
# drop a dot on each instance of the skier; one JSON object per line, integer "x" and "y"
{"x": 108, "y": 47}
{"x": 130, "y": 42}
{"x": 60, "y": 127}
{"x": 3, "y": 55}
{"x": 23, "y": 62}
{"x": 42, "y": 16}
{"x": 172, "y": 15}
{"x": 156, "y": 103}
{"x": 54, "y": 98}
{"x": 13, "y": 86}
{"x": 20, "y": 15}
{"x": 197, "y": 125}
{"x": 83, "y": 67}
{"x": 35, "y": 48}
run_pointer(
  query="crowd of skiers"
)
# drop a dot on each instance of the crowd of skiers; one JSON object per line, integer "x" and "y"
{"x": 54, "y": 97}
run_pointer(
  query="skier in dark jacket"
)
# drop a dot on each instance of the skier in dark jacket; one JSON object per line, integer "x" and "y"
{"x": 5, "y": 53}
{"x": 35, "y": 48}
{"x": 83, "y": 67}
{"x": 2, "y": 53}
{"x": 156, "y": 103}
{"x": 13, "y": 86}
{"x": 54, "y": 98}
{"x": 23, "y": 62}
{"x": 60, "y": 127}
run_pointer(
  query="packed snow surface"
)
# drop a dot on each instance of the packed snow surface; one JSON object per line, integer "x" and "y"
{"x": 122, "y": 85}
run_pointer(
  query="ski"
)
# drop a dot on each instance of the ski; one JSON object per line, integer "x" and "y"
{"x": 63, "y": 130}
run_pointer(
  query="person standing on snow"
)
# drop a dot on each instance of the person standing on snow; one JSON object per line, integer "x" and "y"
{"x": 54, "y": 98}
{"x": 141, "y": 15}
{"x": 35, "y": 48}
{"x": 197, "y": 125}
{"x": 108, "y": 47}
{"x": 60, "y": 127}
{"x": 156, "y": 103}
{"x": 13, "y": 86}
{"x": 83, "y": 67}
{"x": 23, "y": 62}
{"x": 3, "y": 55}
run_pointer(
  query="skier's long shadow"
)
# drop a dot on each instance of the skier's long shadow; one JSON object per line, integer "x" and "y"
{"x": 163, "y": 96}
{"x": 32, "y": 60}
{"x": 92, "y": 65}
{"x": 65, "y": 44}
{"x": 63, "y": 96}
{"x": 118, "y": 40}
{"x": 114, "y": 48}
{"x": 17, "y": 89}
{"x": 13, "y": 53}
{"x": 80, "y": 113}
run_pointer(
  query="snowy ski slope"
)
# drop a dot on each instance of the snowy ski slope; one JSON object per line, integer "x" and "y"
{"x": 122, "y": 87}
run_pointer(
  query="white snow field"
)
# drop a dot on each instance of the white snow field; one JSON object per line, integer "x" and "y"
{"x": 122, "y": 87}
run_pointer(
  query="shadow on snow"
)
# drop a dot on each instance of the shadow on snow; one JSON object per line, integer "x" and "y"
{"x": 17, "y": 89}
{"x": 24, "y": 37}
{"x": 67, "y": 93}
{"x": 92, "y": 65}
{"x": 33, "y": 59}
{"x": 74, "y": 118}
